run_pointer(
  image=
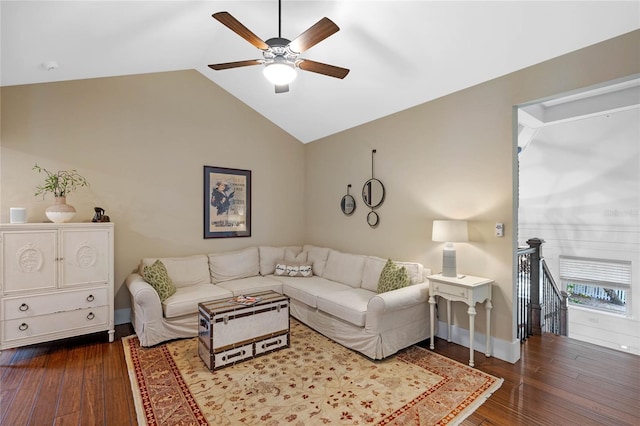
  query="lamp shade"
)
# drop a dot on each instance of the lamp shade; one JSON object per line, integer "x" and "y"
{"x": 450, "y": 231}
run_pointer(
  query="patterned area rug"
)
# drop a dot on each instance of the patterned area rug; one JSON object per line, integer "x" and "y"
{"x": 314, "y": 382}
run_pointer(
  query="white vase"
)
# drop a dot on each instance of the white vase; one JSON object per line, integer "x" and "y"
{"x": 60, "y": 212}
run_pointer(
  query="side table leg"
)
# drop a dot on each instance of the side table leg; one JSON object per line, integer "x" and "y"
{"x": 432, "y": 315}
{"x": 472, "y": 323}
{"x": 488, "y": 307}
{"x": 448, "y": 320}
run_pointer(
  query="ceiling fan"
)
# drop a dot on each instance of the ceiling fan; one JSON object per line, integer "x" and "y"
{"x": 280, "y": 55}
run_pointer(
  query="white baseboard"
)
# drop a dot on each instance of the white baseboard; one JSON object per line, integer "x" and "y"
{"x": 501, "y": 349}
{"x": 122, "y": 316}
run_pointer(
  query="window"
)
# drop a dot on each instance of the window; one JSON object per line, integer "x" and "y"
{"x": 600, "y": 284}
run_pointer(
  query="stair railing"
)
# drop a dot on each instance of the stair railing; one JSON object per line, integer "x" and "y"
{"x": 541, "y": 306}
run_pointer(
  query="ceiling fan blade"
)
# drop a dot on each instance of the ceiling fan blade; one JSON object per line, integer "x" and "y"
{"x": 282, "y": 88}
{"x": 236, "y": 64}
{"x": 320, "y": 68}
{"x": 314, "y": 35}
{"x": 234, "y": 25}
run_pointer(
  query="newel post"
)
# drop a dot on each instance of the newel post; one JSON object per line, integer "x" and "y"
{"x": 535, "y": 307}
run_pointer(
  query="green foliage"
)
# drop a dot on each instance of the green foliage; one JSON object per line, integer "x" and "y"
{"x": 60, "y": 183}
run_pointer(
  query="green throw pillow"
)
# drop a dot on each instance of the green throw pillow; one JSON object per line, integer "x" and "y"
{"x": 393, "y": 277}
{"x": 157, "y": 276}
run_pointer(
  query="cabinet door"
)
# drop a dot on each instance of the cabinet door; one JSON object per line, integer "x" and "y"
{"x": 29, "y": 260}
{"x": 85, "y": 256}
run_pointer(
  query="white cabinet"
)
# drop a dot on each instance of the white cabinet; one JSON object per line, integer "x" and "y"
{"x": 56, "y": 281}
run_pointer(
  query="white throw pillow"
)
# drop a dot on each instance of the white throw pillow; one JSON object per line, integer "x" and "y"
{"x": 233, "y": 265}
{"x": 371, "y": 275}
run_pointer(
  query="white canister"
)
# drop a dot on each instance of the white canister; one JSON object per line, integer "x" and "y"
{"x": 18, "y": 215}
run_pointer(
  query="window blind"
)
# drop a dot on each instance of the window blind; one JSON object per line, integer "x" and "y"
{"x": 616, "y": 273}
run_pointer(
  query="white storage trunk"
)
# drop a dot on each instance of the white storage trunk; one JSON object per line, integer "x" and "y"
{"x": 230, "y": 332}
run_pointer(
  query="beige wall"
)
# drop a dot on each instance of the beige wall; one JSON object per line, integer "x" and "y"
{"x": 449, "y": 158}
{"x": 142, "y": 142}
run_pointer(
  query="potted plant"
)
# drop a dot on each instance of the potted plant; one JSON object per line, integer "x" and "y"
{"x": 60, "y": 184}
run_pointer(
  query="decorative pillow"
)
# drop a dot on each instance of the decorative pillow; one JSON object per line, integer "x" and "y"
{"x": 185, "y": 270}
{"x": 393, "y": 277}
{"x": 288, "y": 268}
{"x": 157, "y": 276}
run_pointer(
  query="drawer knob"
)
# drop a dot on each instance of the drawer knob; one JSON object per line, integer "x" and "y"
{"x": 229, "y": 356}
{"x": 24, "y": 307}
{"x": 275, "y": 342}
{"x": 23, "y": 326}
{"x": 90, "y": 298}
{"x": 90, "y": 316}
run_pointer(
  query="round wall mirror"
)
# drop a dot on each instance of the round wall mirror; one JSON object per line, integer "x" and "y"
{"x": 373, "y": 219}
{"x": 373, "y": 193}
{"x": 348, "y": 204}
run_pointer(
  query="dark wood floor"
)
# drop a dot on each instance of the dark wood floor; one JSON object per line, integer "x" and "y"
{"x": 558, "y": 381}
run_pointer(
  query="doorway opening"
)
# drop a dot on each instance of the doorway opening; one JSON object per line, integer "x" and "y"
{"x": 579, "y": 191}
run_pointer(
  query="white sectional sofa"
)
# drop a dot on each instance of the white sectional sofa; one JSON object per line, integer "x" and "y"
{"x": 338, "y": 299}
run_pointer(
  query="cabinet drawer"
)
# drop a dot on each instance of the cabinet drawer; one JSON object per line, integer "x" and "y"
{"x": 271, "y": 344}
{"x": 450, "y": 289}
{"x": 16, "y": 307}
{"x": 61, "y": 322}
{"x": 233, "y": 355}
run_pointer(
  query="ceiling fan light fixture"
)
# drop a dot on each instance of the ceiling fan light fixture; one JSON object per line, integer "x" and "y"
{"x": 280, "y": 72}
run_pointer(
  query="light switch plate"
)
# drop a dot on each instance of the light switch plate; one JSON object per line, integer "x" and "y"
{"x": 499, "y": 229}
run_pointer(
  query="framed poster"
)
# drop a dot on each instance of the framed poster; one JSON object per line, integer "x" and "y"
{"x": 227, "y": 202}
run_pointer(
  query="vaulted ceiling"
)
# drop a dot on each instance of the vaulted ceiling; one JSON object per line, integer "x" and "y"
{"x": 400, "y": 53}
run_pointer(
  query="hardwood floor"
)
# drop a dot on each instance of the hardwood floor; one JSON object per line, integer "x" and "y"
{"x": 558, "y": 381}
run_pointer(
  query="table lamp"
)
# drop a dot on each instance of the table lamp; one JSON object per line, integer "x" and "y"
{"x": 449, "y": 232}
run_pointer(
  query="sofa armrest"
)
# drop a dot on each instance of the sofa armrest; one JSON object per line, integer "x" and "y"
{"x": 399, "y": 299}
{"x": 145, "y": 302}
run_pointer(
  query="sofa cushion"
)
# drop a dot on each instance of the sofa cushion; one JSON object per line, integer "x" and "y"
{"x": 307, "y": 290}
{"x": 373, "y": 267}
{"x": 393, "y": 277}
{"x": 318, "y": 256}
{"x": 232, "y": 265}
{"x": 348, "y": 305}
{"x": 344, "y": 268}
{"x": 269, "y": 255}
{"x": 184, "y": 271}
{"x": 295, "y": 254}
{"x": 251, "y": 285}
{"x": 290, "y": 268}
{"x": 157, "y": 276}
{"x": 185, "y": 300}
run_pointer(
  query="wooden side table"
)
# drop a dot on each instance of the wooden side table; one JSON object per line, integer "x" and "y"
{"x": 463, "y": 288}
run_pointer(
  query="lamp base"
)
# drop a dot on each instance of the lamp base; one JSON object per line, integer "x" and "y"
{"x": 449, "y": 262}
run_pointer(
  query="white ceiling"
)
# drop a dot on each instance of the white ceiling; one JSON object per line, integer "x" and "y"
{"x": 400, "y": 53}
